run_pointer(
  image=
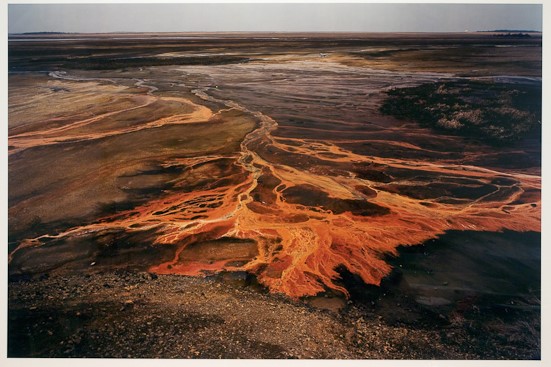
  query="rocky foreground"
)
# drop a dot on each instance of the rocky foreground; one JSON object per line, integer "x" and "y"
{"x": 123, "y": 314}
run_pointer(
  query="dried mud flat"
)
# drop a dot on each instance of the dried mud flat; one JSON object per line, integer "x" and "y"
{"x": 266, "y": 162}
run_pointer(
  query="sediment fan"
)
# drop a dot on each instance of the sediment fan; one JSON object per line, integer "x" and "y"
{"x": 291, "y": 210}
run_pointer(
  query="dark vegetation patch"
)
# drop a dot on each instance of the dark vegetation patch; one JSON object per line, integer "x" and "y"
{"x": 496, "y": 113}
{"x": 514, "y": 35}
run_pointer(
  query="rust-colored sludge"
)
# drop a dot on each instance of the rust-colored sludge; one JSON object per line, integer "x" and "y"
{"x": 291, "y": 210}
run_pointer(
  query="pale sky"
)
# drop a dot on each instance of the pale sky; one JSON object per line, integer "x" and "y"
{"x": 272, "y": 17}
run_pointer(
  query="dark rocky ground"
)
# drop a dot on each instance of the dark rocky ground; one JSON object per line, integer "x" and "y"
{"x": 122, "y": 314}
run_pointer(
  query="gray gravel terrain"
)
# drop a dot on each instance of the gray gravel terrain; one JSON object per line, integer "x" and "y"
{"x": 140, "y": 315}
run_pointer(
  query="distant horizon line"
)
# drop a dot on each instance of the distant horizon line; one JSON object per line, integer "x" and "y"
{"x": 283, "y": 32}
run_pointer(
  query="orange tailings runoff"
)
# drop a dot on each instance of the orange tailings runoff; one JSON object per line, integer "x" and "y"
{"x": 307, "y": 224}
{"x": 293, "y": 227}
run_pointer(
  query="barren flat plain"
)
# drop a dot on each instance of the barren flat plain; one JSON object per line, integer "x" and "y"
{"x": 266, "y": 195}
